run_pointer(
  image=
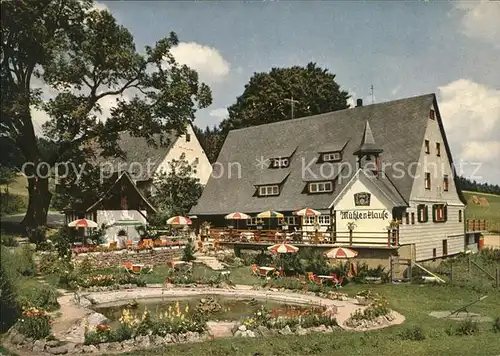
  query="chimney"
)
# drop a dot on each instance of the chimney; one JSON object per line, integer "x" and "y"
{"x": 359, "y": 102}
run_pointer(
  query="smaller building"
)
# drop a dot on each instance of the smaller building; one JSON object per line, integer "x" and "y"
{"x": 121, "y": 203}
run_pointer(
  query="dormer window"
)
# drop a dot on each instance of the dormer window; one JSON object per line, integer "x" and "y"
{"x": 320, "y": 187}
{"x": 331, "y": 157}
{"x": 280, "y": 162}
{"x": 269, "y": 190}
{"x": 432, "y": 114}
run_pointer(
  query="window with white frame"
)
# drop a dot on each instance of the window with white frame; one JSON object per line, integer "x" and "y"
{"x": 332, "y": 156}
{"x": 268, "y": 190}
{"x": 280, "y": 162}
{"x": 320, "y": 187}
{"x": 252, "y": 221}
{"x": 324, "y": 219}
{"x": 291, "y": 220}
{"x": 309, "y": 220}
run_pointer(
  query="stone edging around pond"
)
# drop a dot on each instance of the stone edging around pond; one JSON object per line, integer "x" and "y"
{"x": 71, "y": 337}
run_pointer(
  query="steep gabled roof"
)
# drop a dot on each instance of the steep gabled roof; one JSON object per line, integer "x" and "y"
{"x": 140, "y": 158}
{"x": 123, "y": 175}
{"x": 398, "y": 128}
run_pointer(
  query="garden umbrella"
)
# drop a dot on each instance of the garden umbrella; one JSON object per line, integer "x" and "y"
{"x": 307, "y": 212}
{"x": 269, "y": 214}
{"x": 179, "y": 220}
{"x": 82, "y": 223}
{"x": 237, "y": 216}
{"x": 283, "y": 248}
{"x": 341, "y": 252}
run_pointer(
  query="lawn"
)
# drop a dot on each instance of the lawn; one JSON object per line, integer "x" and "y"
{"x": 490, "y": 213}
{"x": 413, "y": 301}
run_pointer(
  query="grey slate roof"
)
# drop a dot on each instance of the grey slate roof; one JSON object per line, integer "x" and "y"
{"x": 368, "y": 144}
{"x": 140, "y": 159}
{"x": 398, "y": 127}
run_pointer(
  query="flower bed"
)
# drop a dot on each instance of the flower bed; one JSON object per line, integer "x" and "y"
{"x": 286, "y": 320}
{"x": 376, "y": 313}
{"x": 173, "y": 321}
{"x": 34, "y": 323}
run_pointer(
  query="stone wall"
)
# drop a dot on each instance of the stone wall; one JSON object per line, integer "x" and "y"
{"x": 157, "y": 256}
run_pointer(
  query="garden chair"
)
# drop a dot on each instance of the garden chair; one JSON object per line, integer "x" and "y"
{"x": 113, "y": 245}
{"x": 338, "y": 282}
{"x": 255, "y": 270}
{"x": 128, "y": 267}
{"x": 312, "y": 278}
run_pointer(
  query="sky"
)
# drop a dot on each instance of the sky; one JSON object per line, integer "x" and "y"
{"x": 403, "y": 49}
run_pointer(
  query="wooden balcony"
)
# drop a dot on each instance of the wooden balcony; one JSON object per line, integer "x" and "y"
{"x": 476, "y": 225}
{"x": 270, "y": 237}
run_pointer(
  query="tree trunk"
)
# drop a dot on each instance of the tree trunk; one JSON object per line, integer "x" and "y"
{"x": 38, "y": 203}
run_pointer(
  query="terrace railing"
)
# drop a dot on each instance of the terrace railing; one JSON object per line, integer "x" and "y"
{"x": 476, "y": 225}
{"x": 388, "y": 238}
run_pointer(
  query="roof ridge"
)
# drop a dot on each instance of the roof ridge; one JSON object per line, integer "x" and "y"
{"x": 317, "y": 116}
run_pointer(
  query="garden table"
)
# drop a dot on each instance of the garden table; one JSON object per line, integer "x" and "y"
{"x": 327, "y": 278}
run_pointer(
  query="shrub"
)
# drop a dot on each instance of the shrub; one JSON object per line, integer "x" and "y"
{"x": 86, "y": 266}
{"x": 34, "y": 323}
{"x": 11, "y": 204}
{"x": 9, "y": 240}
{"x": 23, "y": 261}
{"x": 9, "y": 310}
{"x": 465, "y": 328}
{"x": 413, "y": 334}
{"x": 317, "y": 263}
{"x": 496, "y": 325}
{"x": 62, "y": 240}
{"x": 36, "y": 295}
{"x": 188, "y": 254}
{"x": 50, "y": 264}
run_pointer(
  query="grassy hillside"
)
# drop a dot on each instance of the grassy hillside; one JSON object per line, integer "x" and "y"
{"x": 490, "y": 212}
{"x": 17, "y": 187}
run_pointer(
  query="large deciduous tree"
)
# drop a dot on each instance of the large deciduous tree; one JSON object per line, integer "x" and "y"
{"x": 211, "y": 139}
{"x": 178, "y": 190}
{"x": 85, "y": 58}
{"x": 265, "y": 97}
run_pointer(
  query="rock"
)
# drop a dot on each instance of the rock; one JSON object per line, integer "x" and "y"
{"x": 59, "y": 350}
{"x": 157, "y": 340}
{"x": 242, "y": 328}
{"x": 262, "y": 330}
{"x": 115, "y": 346}
{"x": 16, "y": 338}
{"x": 286, "y": 331}
{"x": 143, "y": 341}
{"x": 88, "y": 349}
{"x": 39, "y": 346}
{"x": 301, "y": 331}
{"x": 103, "y": 347}
{"x": 53, "y": 343}
{"x": 250, "y": 333}
{"x": 71, "y": 347}
{"x": 95, "y": 319}
{"x": 320, "y": 329}
{"x": 238, "y": 333}
{"x": 192, "y": 336}
{"x": 169, "y": 339}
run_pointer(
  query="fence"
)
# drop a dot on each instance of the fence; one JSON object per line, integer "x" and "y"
{"x": 476, "y": 225}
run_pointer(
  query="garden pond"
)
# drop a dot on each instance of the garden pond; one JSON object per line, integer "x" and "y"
{"x": 216, "y": 308}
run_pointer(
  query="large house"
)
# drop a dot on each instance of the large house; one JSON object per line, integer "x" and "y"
{"x": 373, "y": 172}
{"x": 127, "y": 199}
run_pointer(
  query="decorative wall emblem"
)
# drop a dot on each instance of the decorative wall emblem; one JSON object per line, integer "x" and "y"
{"x": 362, "y": 199}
